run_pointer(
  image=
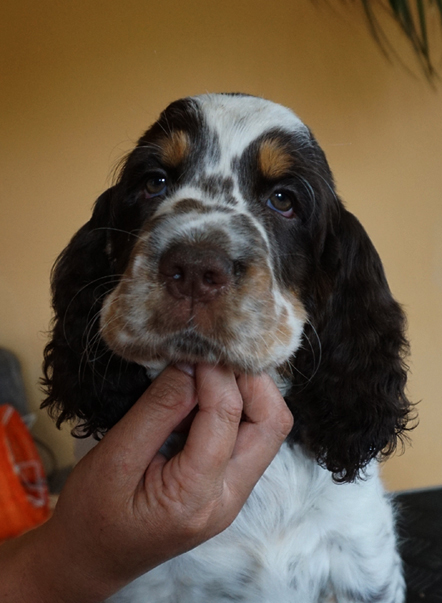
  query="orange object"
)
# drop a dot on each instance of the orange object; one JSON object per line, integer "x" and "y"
{"x": 24, "y": 499}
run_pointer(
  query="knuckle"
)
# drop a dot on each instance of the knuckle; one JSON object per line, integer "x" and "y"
{"x": 227, "y": 407}
{"x": 230, "y": 411}
{"x": 283, "y": 423}
{"x": 198, "y": 522}
{"x": 196, "y": 518}
{"x": 168, "y": 394}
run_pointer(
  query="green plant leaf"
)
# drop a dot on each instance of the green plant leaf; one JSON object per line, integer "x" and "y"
{"x": 412, "y": 17}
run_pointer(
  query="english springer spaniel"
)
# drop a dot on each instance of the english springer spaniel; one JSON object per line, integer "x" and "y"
{"x": 223, "y": 239}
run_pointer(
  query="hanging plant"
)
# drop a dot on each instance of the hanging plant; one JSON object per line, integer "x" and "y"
{"x": 413, "y": 18}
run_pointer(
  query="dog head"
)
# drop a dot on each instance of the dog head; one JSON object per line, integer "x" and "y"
{"x": 223, "y": 240}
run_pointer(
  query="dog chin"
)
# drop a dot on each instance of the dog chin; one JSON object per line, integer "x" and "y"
{"x": 156, "y": 367}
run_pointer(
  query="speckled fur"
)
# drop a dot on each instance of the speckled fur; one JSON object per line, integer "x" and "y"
{"x": 300, "y": 538}
{"x": 306, "y": 301}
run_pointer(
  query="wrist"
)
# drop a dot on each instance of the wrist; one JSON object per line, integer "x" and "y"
{"x": 21, "y": 580}
{"x": 70, "y": 574}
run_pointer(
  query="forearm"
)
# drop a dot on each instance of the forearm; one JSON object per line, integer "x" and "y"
{"x": 35, "y": 568}
{"x": 16, "y": 583}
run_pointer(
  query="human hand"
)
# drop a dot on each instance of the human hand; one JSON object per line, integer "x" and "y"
{"x": 126, "y": 508}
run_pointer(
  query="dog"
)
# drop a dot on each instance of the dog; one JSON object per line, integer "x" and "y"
{"x": 224, "y": 240}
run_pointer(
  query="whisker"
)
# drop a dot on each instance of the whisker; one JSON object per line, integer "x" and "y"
{"x": 107, "y": 280}
{"x": 128, "y": 232}
{"x": 310, "y": 191}
{"x": 316, "y": 362}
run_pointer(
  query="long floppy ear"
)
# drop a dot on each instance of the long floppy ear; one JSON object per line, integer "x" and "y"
{"x": 83, "y": 379}
{"x": 350, "y": 405}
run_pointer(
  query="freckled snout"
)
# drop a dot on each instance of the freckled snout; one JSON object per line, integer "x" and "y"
{"x": 197, "y": 272}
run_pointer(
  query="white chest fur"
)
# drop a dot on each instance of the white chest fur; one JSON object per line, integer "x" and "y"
{"x": 299, "y": 538}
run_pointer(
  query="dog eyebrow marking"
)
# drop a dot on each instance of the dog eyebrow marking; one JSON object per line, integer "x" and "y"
{"x": 273, "y": 158}
{"x": 186, "y": 206}
{"x": 174, "y": 148}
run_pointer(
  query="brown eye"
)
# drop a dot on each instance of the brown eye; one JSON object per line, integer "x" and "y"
{"x": 155, "y": 186}
{"x": 282, "y": 203}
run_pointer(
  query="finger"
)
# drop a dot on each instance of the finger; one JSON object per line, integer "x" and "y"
{"x": 268, "y": 423}
{"x": 263, "y": 402}
{"x": 214, "y": 430}
{"x": 133, "y": 442}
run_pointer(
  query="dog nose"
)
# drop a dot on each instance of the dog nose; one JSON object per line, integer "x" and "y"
{"x": 199, "y": 272}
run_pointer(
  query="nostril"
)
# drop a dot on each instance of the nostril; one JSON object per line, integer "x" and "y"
{"x": 213, "y": 277}
{"x": 200, "y": 272}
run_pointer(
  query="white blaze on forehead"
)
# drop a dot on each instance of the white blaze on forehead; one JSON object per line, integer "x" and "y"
{"x": 239, "y": 120}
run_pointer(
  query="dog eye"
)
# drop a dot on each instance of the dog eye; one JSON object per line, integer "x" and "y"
{"x": 155, "y": 186}
{"x": 282, "y": 203}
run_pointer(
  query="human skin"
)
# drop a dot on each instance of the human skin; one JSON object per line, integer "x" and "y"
{"x": 126, "y": 508}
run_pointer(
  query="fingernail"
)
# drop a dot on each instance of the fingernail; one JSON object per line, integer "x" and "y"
{"x": 189, "y": 369}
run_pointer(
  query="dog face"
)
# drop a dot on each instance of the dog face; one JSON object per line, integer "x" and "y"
{"x": 219, "y": 184}
{"x": 223, "y": 240}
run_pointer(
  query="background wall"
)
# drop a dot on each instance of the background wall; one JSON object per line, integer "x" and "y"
{"x": 81, "y": 80}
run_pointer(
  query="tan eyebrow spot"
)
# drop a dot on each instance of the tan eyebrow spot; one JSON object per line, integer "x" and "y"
{"x": 273, "y": 159}
{"x": 175, "y": 148}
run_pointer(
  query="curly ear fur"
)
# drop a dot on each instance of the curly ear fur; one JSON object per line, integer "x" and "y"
{"x": 354, "y": 407}
{"x": 82, "y": 377}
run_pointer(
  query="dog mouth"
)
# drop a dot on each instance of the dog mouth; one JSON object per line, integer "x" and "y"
{"x": 189, "y": 302}
{"x": 245, "y": 332}
{"x": 190, "y": 347}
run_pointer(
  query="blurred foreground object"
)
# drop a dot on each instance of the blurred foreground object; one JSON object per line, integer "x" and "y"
{"x": 24, "y": 501}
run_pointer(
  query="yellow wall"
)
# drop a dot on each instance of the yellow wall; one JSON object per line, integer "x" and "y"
{"x": 81, "y": 80}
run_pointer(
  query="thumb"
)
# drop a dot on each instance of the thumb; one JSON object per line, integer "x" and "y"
{"x": 133, "y": 442}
